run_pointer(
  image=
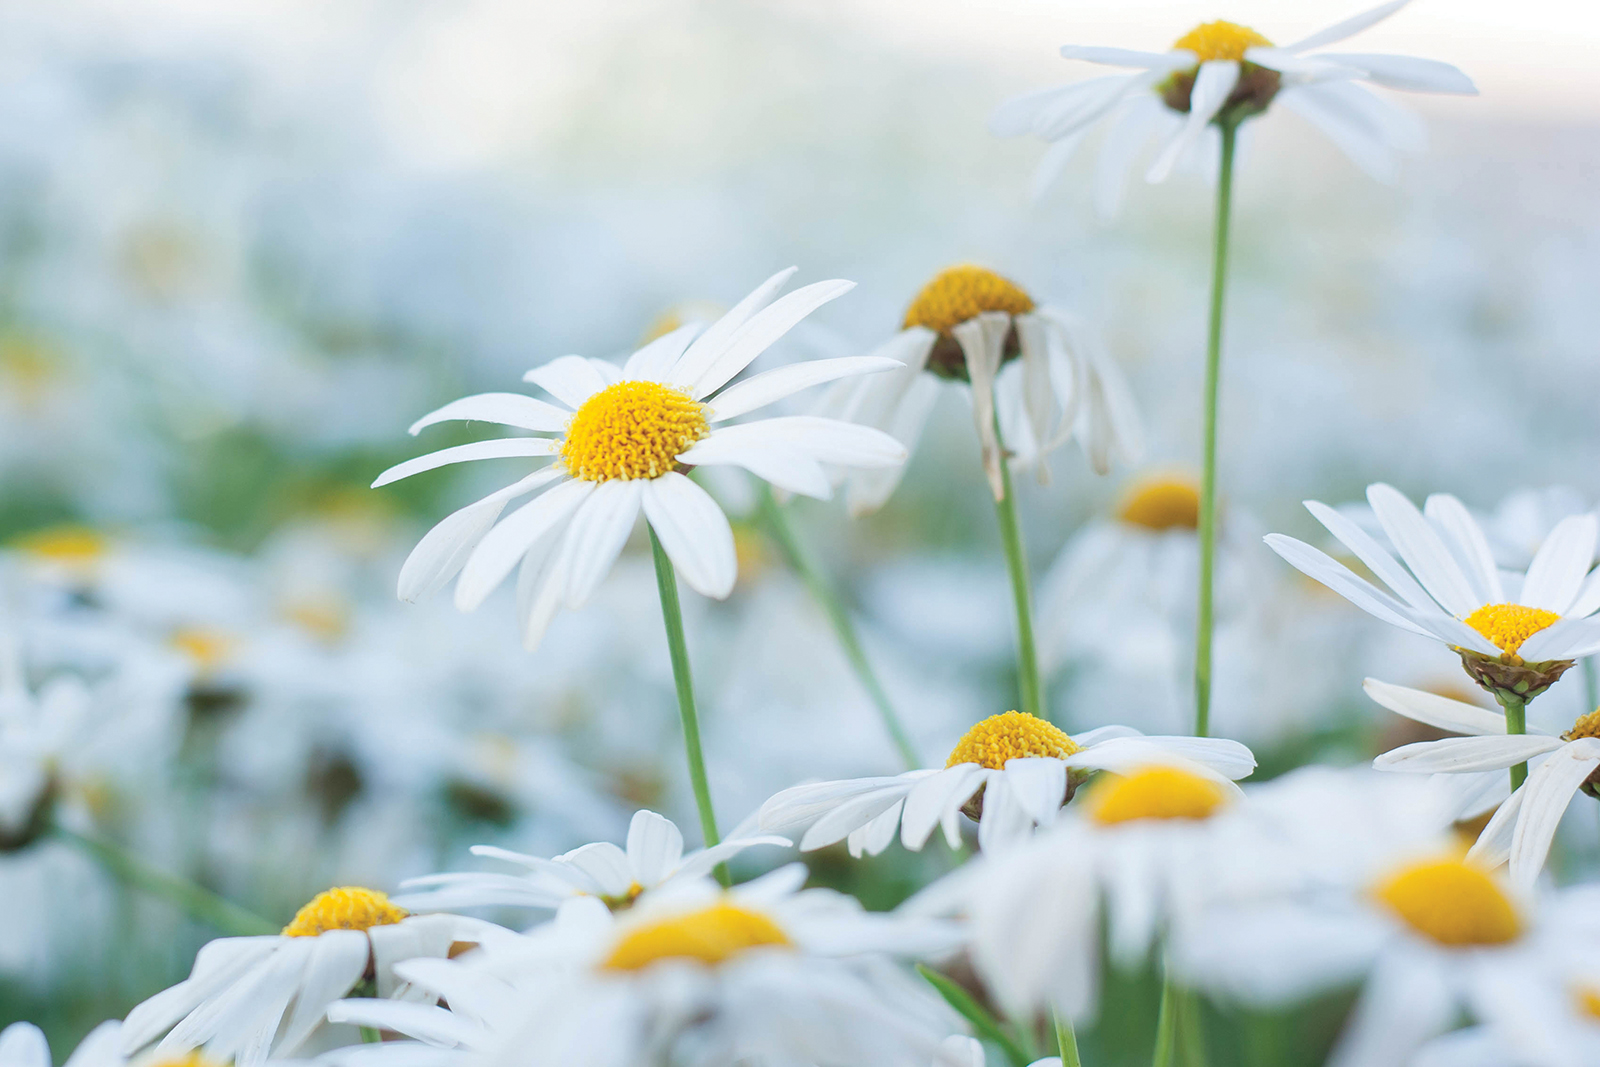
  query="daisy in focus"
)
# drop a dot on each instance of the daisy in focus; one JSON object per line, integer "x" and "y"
{"x": 248, "y": 997}
{"x": 1221, "y": 73}
{"x": 1038, "y": 371}
{"x": 1010, "y": 773}
{"x": 620, "y": 438}
{"x": 653, "y": 858}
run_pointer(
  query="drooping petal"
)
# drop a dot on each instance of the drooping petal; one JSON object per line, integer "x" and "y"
{"x": 873, "y": 838}
{"x": 444, "y": 549}
{"x": 599, "y": 529}
{"x": 1550, "y": 789}
{"x": 1212, "y": 85}
{"x": 507, "y": 409}
{"x": 694, "y": 532}
{"x": 1494, "y": 844}
{"x": 1431, "y": 709}
{"x": 837, "y": 824}
{"x": 982, "y": 340}
{"x": 502, "y": 448}
{"x": 338, "y": 960}
{"x": 934, "y": 800}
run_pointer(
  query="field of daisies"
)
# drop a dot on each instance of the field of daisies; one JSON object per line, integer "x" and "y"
{"x": 712, "y": 535}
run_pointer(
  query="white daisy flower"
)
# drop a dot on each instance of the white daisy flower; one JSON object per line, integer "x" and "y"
{"x": 1516, "y": 634}
{"x": 1221, "y": 72}
{"x": 762, "y": 973}
{"x": 24, "y": 1045}
{"x": 1043, "y": 372}
{"x": 1524, "y": 827}
{"x": 620, "y": 437}
{"x": 251, "y": 996}
{"x": 653, "y": 858}
{"x": 1010, "y": 772}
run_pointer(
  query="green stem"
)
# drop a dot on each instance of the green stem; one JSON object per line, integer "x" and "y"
{"x": 1516, "y": 710}
{"x": 1191, "y": 1029}
{"x": 987, "y": 1026}
{"x": 198, "y": 902}
{"x": 370, "y": 1035}
{"x": 1166, "y": 1027}
{"x": 844, "y": 628}
{"x": 672, "y": 615}
{"x": 1591, "y": 684}
{"x": 1208, "y": 470}
{"x": 1029, "y": 688}
{"x": 1066, "y": 1042}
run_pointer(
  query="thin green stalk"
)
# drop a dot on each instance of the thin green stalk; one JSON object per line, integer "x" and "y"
{"x": 844, "y": 628}
{"x": 1066, "y": 1042}
{"x": 196, "y": 901}
{"x": 370, "y": 1035}
{"x": 987, "y": 1026}
{"x": 672, "y": 615}
{"x": 1208, "y": 470}
{"x": 1029, "y": 687}
{"x": 1166, "y": 1027}
{"x": 1591, "y": 684}
{"x": 1191, "y": 1029}
{"x": 1516, "y": 710}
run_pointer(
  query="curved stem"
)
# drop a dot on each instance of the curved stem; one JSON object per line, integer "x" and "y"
{"x": 1208, "y": 471}
{"x": 844, "y": 628}
{"x": 672, "y": 616}
{"x": 1029, "y": 686}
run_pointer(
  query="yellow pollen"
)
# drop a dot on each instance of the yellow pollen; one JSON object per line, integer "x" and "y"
{"x": 1163, "y": 503}
{"x": 1153, "y": 793}
{"x": 1588, "y": 998}
{"x": 1508, "y": 625}
{"x": 632, "y": 430}
{"x": 1586, "y": 726}
{"x": 959, "y": 293}
{"x": 1221, "y": 40}
{"x": 710, "y": 935}
{"x": 346, "y": 907}
{"x": 1451, "y": 902}
{"x": 1014, "y": 735}
{"x": 74, "y": 546}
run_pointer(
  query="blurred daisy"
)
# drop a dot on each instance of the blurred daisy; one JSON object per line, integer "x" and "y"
{"x": 251, "y": 996}
{"x": 1221, "y": 72}
{"x": 1516, "y": 634}
{"x": 1010, "y": 772}
{"x": 621, "y": 436}
{"x": 653, "y": 858}
{"x": 1043, "y": 373}
{"x": 24, "y": 1045}
{"x": 764, "y": 973}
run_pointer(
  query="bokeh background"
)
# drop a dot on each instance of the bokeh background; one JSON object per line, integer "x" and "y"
{"x": 244, "y": 245}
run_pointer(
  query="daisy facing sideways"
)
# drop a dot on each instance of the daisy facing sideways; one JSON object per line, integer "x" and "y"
{"x": 620, "y": 438}
{"x": 654, "y": 857}
{"x": 1221, "y": 72}
{"x": 1044, "y": 373}
{"x": 1010, "y": 772}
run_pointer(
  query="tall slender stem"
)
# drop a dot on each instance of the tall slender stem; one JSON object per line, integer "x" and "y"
{"x": 844, "y": 628}
{"x": 1066, "y": 1042}
{"x": 672, "y": 615}
{"x": 1029, "y": 687}
{"x": 1166, "y": 1027}
{"x": 1208, "y": 471}
{"x": 1516, "y": 710}
{"x": 1591, "y": 685}
{"x": 197, "y": 901}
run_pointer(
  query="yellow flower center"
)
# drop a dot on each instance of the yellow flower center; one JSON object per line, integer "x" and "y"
{"x": 632, "y": 430}
{"x": 74, "y": 546}
{"x": 710, "y": 935}
{"x": 209, "y": 649}
{"x": 1165, "y": 503}
{"x": 1508, "y": 625}
{"x": 1588, "y": 998}
{"x": 1586, "y": 726}
{"x": 1451, "y": 902}
{"x": 959, "y": 293}
{"x": 346, "y": 907}
{"x": 1153, "y": 793}
{"x": 1014, "y": 735}
{"x": 1221, "y": 40}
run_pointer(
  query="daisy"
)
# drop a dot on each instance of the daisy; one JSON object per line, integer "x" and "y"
{"x": 764, "y": 973}
{"x": 1010, "y": 772}
{"x": 1044, "y": 374}
{"x": 1515, "y": 634}
{"x": 251, "y": 996}
{"x": 620, "y": 438}
{"x": 1221, "y": 73}
{"x": 653, "y": 858}
{"x": 24, "y": 1045}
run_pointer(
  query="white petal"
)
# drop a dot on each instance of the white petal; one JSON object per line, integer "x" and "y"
{"x": 570, "y": 379}
{"x": 1455, "y": 755}
{"x": 421, "y": 1021}
{"x": 711, "y": 344}
{"x": 654, "y": 360}
{"x": 849, "y": 816}
{"x": 655, "y": 847}
{"x": 877, "y": 835}
{"x": 24, "y": 1045}
{"x": 599, "y": 529}
{"x": 1373, "y": 555}
{"x": 869, "y": 489}
{"x": 694, "y": 532}
{"x": 1045, "y": 414}
{"x": 1494, "y": 844}
{"x": 101, "y": 1048}
{"x": 800, "y": 804}
{"x": 1061, "y": 110}
{"x": 1005, "y": 823}
{"x": 1054, "y": 161}
{"x": 1212, "y": 85}
{"x": 1559, "y": 567}
{"x": 1365, "y": 146}
{"x": 1336, "y": 576}
{"x": 338, "y": 960}
{"x": 504, "y": 545}
{"x": 1126, "y": 57}
{"x": 1407, "y": 73}
{"x": 1563, "y": 639}
{"x": 700, "y": 863}
{"x": 1040, "y": 784}
{"x": 1462, "y": 534}
{"x": 1549, "y": 788}
{"x": 540, "y": 581}
{"x": 1226, "y": 757}
{"x": 1434, "y": 710}
{"x": 784, "y": 465}
{"x": 982, "y": 341}
{"x": 1123, "y": 142}
{"x": 843, "y": 444}
{"x": 1588, "y": 599}
{"x": 1422, "y": 550}
{"x": 1403, "y": 1004}
{"x": 775, "y": 384}
{"x": 757, "y": 335}
{"x": 507, "y": 409}
{"x": 1348, "y": 28}
{"x": 605, "y": 864}
{"x": 445, "y": 548}
{"x": 934, "y": 800}
{"x": 502, "y": 448}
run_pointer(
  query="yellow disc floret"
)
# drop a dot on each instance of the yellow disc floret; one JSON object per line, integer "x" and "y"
{"x": 632, "y": 430}
{"x": 1588, "y": 998}
{"x": 1586, "y": 726}
{"x": 959, "y": 293}
{"x": 710, "y": 935}
{"x": 72, "y": 546}
{"x": 1221, "y": 40}
{"x": 1153, "y": 793}
{"x": 1014, "y": 735}
{"x": 1508, "y": 625}
{"x": 346, "y": 907}
{"x": 1162, "y": 503}
{"x": 1452, "y": 902}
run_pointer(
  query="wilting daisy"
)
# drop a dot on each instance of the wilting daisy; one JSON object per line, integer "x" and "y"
{"x": 1221, "y": 72}
{"x": 1043, "y": 372}
{"x": 621, "y": 438}
{"x": 1010, "y": 772}
{"x": 251, "y": 996}
{"x": 764, "y": 973}
{"x": 653, "y": 858}
{"x": 1516, "y": 634}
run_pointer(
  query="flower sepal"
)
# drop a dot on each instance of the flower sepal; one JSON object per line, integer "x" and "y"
{"x": 1251, "y": 96}
{"x": 1509, "y": 677}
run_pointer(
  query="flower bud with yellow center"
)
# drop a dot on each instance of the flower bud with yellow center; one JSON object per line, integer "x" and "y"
{"x": 710, "y": 935}
{"x": 1162, "y": 503}
{"x": 1224, "y": 41}
{"x": 1451, "y": 902}
{"x": 1507, "y": 626}
{"x": 632, "y": 430}
{"x": 955, "y": 295}
{"x": 346, "y": 907}
{"x": 1153, "y": 793}
{"x": 1013, "y": 735}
